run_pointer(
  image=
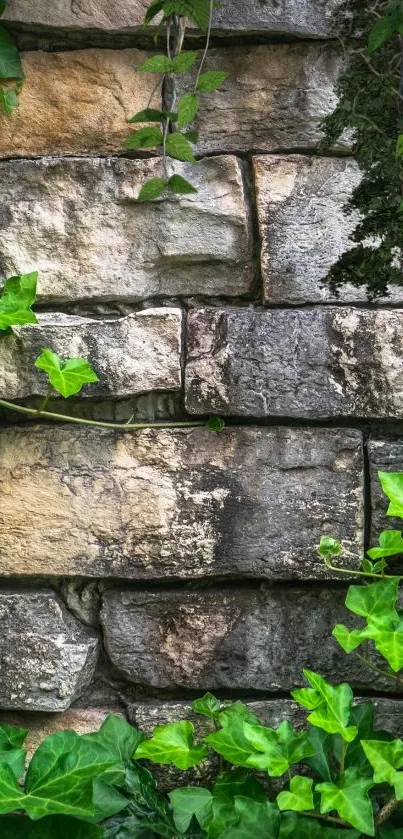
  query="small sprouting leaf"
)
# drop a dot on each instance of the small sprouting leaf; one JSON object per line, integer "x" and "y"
{"x": 67, "y": 377}
{"x": 390, "y": 544}
{"x": 392, "y": 485}
{"x": 148, "y": 137}
{"x": 157, "y": 64}
{"x": 18, "y": 296}
{"x": 8, "y": 100}
{"x": 152, "y": 189}
{"x": 330, "y": 706}
{"x": 180, "y": 186}
{"x": 348, "y": 640}
{"x": 211, "y": 80}
{"x": 299, "y": 798}
{"x": 178, "y": 147}
{"x": 188, "y": 107}
{"x": 184, "y": 61}
{"x": 173, "y": 744}
{"x": 148, "y": 115}
{"x": 215, "y": 424}
{"x": 350, "y": 799}
{"x": 276, "y": 750}
{"x": 329, "y": 547}
{"x": 10, "y": 60}
{"x": 209, "y": 706}
{"x": 386, "y": 759}
{"x": 188, "y": 802}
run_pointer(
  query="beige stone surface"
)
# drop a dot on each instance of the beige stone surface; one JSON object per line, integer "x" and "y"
{"x": 134, "y": 354}
{"x": 177, "y": 504}
{"x": 78, "y": 102}
{"x": 77, "y": 222}
{"x": 81, "y": 720}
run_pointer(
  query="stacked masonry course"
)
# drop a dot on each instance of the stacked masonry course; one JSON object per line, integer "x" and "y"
{"x": 140, "y": 569}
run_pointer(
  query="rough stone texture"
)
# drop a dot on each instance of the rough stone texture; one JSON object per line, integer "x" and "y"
{"x": 384, "y": 456}
{"x": 181, "y": 504}
{"x": 47, "y": 657}
{"x": 77, "y": 222}
{"x": 229, "y": 639}
{"x": 312, "y": 363}
{"x": 141, "y": 352}
{"x": 39, "y": 726}
{"x": 303, "y": 229}
{"x": 296, "y": 17}
{"x": 274, "y": 99}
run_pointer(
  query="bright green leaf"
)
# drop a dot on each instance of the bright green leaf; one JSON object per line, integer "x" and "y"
{"x": 209, "y": 706}
{"x": 157, "y": 64}
{"x": 330, "y": 706}
{"x": 18, "y": 296}
{"x": 350, "y": 799}
{"x": 386, "y": 758}
{"x": 8, "y": 100}
{"x": 150, "y": 115}
{"x": 260, "y": 820}
{"x": 211, "y": 80}
{"x": 320, "y": 761}
{"x": 392, "y": 485}
{"x": 118, "y": 736}
{"x": 299, "y": 797}
{"x": 10, "y": 61}
{"x": 180, "y": 186}
{"x": 373, "y": 600}
{"x": 67, "y": 377}
{"x": 348, "y": 640}
{"x": 276, "y": 750}
{"x": 12, "y": 737}
{"x": 231, "y": 743}
{"x": 152, "y": 189}
{"x": 178, "y": 147}
{"x": 390, "y": 544}
{"x": 196, "y": 10}
{"x": 148, "y": 137}
{"x": 189, "y": 802}
{"x": 173, "y": 744}
{"x": 184, "y": 61}
{"x": 11, "y": 796}
{"x": 15, "y": 760}
{"x": 188, "y": 107}
{"x": 329, "y": 547}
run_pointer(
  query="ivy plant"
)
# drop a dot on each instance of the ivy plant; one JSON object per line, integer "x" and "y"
{"x": 11, "y": 72}
{"x": 169, "y": 127}
{"x": 370, "y": 109}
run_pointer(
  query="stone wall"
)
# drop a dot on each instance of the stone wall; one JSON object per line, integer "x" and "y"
{"x": 140, "y": 569}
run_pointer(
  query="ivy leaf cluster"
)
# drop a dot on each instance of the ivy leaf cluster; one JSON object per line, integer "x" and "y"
{"x": 370, "y": 109}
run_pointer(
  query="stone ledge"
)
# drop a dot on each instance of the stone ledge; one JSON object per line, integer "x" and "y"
{"x": 47, "y": 657}
{"x": 336, "y": 362}
{"x": 79, "y": 102}
{"x": 131, "y": 355}
{"x": 91, "y": 240}
{"x": 83, "y": 721}
{"x": 177, "y": 504}
{"x": 229, "y": 639}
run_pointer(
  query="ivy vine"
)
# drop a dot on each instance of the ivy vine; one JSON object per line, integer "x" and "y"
{"x": 371, "y": 107}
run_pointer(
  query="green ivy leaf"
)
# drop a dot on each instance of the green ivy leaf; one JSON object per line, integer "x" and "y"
{"x": 297, "y": 827}
{"x": 330, "y": 706}
{"x": 231, "y": 743}
{"x": 299, "y": 797}
{"x": 157, "y": 64}
{"x": 276, "y": 750}
{"x": 173, "y": 744}
{"x": 18, "y": 296}
{"x": 152, "y": 189}
{"x": 257, "y": 819}
{"x": 211, "y": 80}
{"x": 216, "y": 424}
{"x": 67, "y": 377}
{"x": 209, "y": 706}
{"x": 386, "y": 759}
{"x": 10, "y": 61}
{"x": 148, "y": 137}
{"x": 348, "y": 639}
{"x": 151, "y": 115}
{"x": 184, "y": 61}
{"x": 189, "y": 802}
{"x": 11, "y": 796}
{"x": 329, "y": 547}
{"x": 178, "y": 147}
{"x": 15, "y": 760}
{"x": 392, "y": 485}
{"x": 374, "y": 600}
{"x": 117, "y": 736}
{"x": 12, "y": 737}
{"x": 8, "y": 100}
{"x": 232, "y": 785}
{"x": 350, "y": 799}
{"x": 390, "y": 544}
{"x": 188, "y": 107}
{"x": 180, "y": 186}
{"x": 322, "y": 746}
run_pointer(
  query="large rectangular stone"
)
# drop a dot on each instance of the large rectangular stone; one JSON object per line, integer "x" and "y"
{"x": 134, "y": 354}
{"x": 248, "y": 502}
{"x": 229, "y": 639}
{"x": 274, "y": 98}
{"x": 92, "y": 241}
{"x": 384, "y": 456}
{"x": 47, "y": 656}
{"x": 311, "y": 18}
{"x": 308, "y": 363}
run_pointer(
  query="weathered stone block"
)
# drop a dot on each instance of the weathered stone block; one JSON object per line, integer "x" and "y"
{"x": 182, "y": 504}
{"x": 309, "y": 18}
{"x": 47, "y": 657}
{"x": 92, "y": 241}
{"x": 302, "y": 226}
{"x": 229, "y": 639}
{"x": 384, "y": 456}
{"x": 312, "y": 363}
{"x": 275, "y": 98}
{"x": 138, "y": 353}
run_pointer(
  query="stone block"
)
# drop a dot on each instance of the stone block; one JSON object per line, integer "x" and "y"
{"x": 249, "y": 502}
{"x": 307, "y": 363}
